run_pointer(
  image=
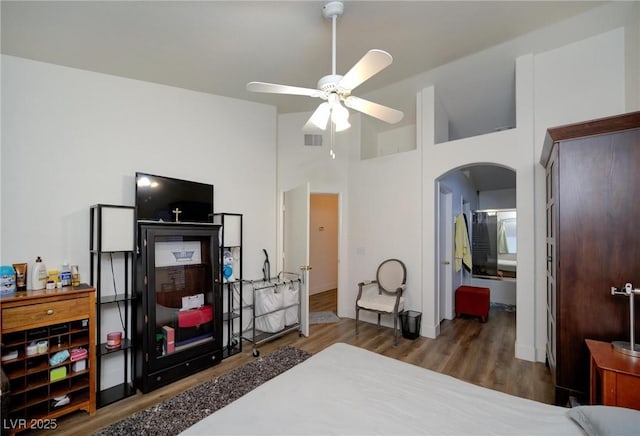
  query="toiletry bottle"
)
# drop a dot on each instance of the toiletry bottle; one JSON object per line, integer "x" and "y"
{"x": 7, "y": 280}
{"x": 39, "y": 278}
{"x": 75, "y": 276}
{"x": 65, "y": 275}
{"x": 21, "y": 276}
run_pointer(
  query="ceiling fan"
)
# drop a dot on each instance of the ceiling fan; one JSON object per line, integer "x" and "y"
{"x": 335, "y": 88}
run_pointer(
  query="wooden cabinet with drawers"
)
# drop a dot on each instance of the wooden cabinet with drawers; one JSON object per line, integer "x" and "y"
{"x": 614, "y": 376}
{"x": 36, "y": 326}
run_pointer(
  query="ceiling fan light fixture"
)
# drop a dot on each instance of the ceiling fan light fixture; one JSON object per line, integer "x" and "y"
{"x": 339, "y": 116}
{"x": 342, "y": 125}
{"x": 320, "y": 116}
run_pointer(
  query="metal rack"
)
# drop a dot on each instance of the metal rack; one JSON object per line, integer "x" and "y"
{"x": 232, "y": 317}
{"x": 111, "y": 238}
{"x": 231, "y": 271}
{"x": 281, "y": 283}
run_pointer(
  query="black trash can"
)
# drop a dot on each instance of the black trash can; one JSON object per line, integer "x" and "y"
{"x": 410, "y": 321}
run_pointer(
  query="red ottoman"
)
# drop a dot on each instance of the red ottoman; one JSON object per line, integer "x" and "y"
{"x": 473, "y": 300}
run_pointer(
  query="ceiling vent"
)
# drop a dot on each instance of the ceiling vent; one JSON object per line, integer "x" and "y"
{"x": 312, "y": 140}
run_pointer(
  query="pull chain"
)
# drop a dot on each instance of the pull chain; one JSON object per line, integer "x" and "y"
{"x": 333, "y": 139}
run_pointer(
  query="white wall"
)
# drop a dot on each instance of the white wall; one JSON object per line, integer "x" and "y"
{"x": 497, "y": 199}
{"x": 502, "y": 291}
{"x": 396, "y": 140}
{"x": 73, "y": 138}
{"x": 380, "y": 138}
{"x": 576, "y": 82}
{"x": 384, "y": 211}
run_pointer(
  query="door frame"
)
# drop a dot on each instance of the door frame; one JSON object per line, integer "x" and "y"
{"x": 280, "y": 237}
{"x": 444, "y": 252}
{"x": 337, "y": 218}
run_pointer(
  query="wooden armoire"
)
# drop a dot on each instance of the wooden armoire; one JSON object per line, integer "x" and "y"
{"x": 592, "y": 241}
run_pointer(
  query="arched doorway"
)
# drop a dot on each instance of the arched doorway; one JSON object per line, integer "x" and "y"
{"x": 466, "y": 190}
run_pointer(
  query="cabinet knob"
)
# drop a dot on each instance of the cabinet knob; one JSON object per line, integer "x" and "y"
{"x": 50, "y": 312}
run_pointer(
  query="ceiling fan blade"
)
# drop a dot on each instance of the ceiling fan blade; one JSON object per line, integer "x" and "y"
{"x": 375, "y": 110}
{"x": 370, "y": 64}
{"x": 274, "y": 88}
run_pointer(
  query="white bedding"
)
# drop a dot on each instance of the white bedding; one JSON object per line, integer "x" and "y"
{"x": 346, "y": 390}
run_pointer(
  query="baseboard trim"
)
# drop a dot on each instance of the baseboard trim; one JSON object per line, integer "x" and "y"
{"x": 525, "y": 352}
{"x": 430, "y": 331}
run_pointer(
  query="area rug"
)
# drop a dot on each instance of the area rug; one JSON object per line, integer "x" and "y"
{"x": 322, "y": 317}
{"x": 176, "y": 414}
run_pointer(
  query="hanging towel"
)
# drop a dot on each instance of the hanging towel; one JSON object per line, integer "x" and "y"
{"x": 462, "y": 249}
{"x": 503, "y": 246}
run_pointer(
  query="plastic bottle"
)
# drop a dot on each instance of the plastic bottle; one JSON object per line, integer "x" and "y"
{"x": 7, "y": 280}
{"x": 75, "y": 276}
{"x": 39, "y": 275}
{"x": 65, "y": 275}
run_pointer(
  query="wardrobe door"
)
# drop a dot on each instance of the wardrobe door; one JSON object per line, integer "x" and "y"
{"x": 551, "y": 265}
{"x": 598, "y": 245}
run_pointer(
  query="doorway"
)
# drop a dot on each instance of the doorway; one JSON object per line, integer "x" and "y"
{"x": 323, "y": 252}
{"x": 473, "y": 188}
{"x": 445, "y": 232}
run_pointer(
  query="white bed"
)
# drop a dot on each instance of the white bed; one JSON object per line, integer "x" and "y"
{"x": 346, "y": 390}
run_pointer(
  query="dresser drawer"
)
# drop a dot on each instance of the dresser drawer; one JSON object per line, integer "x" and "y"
{"x": 628, "y": 391}
{"x": 53, "y": 312}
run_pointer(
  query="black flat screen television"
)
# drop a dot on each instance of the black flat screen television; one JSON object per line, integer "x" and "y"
{"x": 161, "y": 198}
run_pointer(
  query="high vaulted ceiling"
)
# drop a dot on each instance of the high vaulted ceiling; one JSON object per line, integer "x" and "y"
{"x": 219, "y": 46}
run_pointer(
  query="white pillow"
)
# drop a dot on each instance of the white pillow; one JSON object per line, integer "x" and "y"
{"x": 606, "y": 420}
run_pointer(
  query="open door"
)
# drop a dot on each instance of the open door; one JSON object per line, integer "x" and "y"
{"x": 296, "y": 244}
{"x": 445, "y": 243}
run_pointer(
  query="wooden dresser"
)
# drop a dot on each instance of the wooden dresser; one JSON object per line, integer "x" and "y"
{"x": 614, "y": 378}
{"x": 592, "y": 241}
{"x": 38, "y": 325}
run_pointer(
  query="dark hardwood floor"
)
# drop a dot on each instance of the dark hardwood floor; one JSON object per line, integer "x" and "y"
{"x": 326, "y": 301}
{"x": 466, "y": 349}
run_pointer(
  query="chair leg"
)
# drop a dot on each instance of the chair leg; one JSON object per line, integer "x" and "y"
{"x": 378, "y": 320}
{"x": 395, "y": 329}
{"x": 357, "y": 316}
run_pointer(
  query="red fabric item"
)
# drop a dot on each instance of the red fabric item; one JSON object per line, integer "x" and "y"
{"x": 195, "y": 317}
{"x": 473, "y": 300}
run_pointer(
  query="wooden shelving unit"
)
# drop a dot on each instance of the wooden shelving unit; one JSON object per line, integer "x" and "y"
{"x": 64, "y": 319}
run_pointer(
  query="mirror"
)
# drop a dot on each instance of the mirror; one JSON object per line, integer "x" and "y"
{"x": 494, "y": 243}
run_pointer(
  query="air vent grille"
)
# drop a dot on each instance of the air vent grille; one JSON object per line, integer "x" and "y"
{"x": 312, "y": 140}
